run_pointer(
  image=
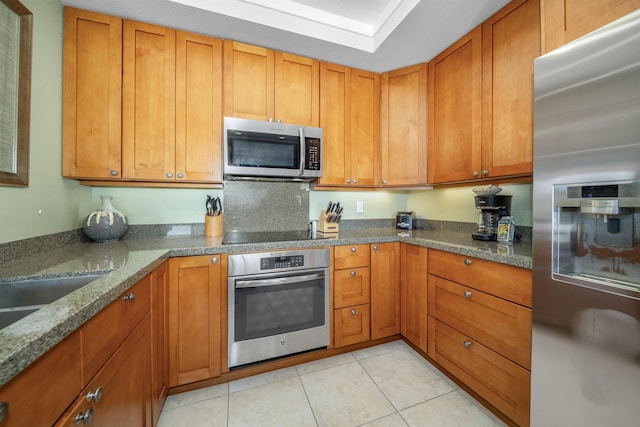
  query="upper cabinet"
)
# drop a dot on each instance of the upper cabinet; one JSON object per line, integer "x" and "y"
{"x": 148, "y": 102}
{"x": 91, "y": 131}
{"x": 350, "y": 119}
{"x": 455, "y": 92}
{"x": 510, "y": 43}
{"x": 481, "y": 99}
{"x": 403, "y": 126}
{"x": 262, "y": 84}
{"x": 566, "y": 20}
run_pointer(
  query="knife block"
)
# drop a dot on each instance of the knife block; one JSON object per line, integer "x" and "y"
{"x": 327, "y": 227}
{"x": 213, "y": 226}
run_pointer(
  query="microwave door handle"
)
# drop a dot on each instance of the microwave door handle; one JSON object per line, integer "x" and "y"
{"x": 303, "y": 150}
{"x": 239, "y": 284}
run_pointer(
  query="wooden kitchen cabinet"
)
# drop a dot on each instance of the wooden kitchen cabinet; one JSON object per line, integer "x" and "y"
{"x": 351, "y": 295}
{"x": 198, "y": 149}
{"x": 119, "y": 395}
{"x": 403, "y": 126}
{"x": 566, "y": 20}
{"x": 91, "y": 131}
{"x": 148, "y": 102}
{"x": 480, "y": 328}
{"x": 413, "y": 294}
{"x": 159, "y": 338}
{"x": 261, "y": 84}
{"x": 455, "y": 93}
{"x": 195, "y": 318}
{"x": 350, "y": 119}
{"x": 41, "y": 393}
{"x": 385, "y": 289}
{"x": 511, "y": 41}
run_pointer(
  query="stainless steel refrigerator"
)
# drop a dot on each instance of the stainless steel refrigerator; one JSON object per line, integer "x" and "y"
{"x": 586, "y": 231}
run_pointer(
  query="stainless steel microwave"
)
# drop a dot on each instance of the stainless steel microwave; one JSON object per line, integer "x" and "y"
{"x": 255, "y": 148}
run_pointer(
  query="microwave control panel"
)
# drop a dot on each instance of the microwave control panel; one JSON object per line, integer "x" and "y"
{"x": 312, "y": 156}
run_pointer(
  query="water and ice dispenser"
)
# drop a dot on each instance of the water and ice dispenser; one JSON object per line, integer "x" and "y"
{"x": 596, "y": 238}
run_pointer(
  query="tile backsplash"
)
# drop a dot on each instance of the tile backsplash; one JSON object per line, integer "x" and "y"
{"x": 265, "y": 206}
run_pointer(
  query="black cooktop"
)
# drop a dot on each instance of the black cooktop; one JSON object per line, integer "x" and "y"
{"x": 238, "y": 237}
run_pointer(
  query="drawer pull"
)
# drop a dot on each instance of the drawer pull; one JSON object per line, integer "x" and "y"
{"x": 95, "y": 395}
{"x": 85, "y": 418}
{"x": 375, "y": 247}
{"x": 353, "y": 274}
{"x": 4, "y": 411}
{"x": 353, "y": 312}
{"x": 214, "y": 260}
{"x": 353, "y": 249}
{"x": 467, "y": 344}
{"x": 467, "y": 262}
{"x": 129, "y": 297}
{"x": 467, "y": 294}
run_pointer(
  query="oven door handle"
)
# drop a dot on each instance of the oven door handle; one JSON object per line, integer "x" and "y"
{"x": 277, "y": 281}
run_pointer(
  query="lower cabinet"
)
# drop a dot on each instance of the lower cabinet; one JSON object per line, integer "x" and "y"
{"x": 385, "y": 290}
{"x": 480, "y": 328}
{"x": 119, "y": 395}
{"x": 159, "y": 338}
{"x": 413, "y": 294}
{"x": 195, "y": 318}
{"x": 351, "y": 295}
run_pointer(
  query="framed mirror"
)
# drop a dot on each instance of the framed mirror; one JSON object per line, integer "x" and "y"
{"x": 16, "y": 23}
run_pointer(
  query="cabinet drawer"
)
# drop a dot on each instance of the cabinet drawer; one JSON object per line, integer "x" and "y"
{"x": 501, "y": 382}
{"x": 119, "y": 395}
{"x": 501, "y": 325}
{"x": 108, "y": 329}
{"x": 352, "y": 287}
{"x": 352, "y": 325}
{"x": 351, "y": 256}
{"x": 504, "y": 281}
{"x": 41, "y": 393}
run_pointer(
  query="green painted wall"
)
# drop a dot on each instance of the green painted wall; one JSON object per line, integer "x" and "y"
{"x": 60, "y": 200}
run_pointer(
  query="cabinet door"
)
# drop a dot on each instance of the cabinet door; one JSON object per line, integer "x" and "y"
{"x": 194, "y": 319}
{"x": 365, "y": 128}
{"x": 198, "y": 108}
{"x": 455, "y": 85}
{"x": 385, "y": 289}
{"x": 124, "y": 384}
{"x": 91, "y": 129}
{"x": 403, "y": 124}
{"x": 511, "y": 41}
{"x": 248, "y": 81}
{"x": 566, "y": 20}
{"x": 335, "y": 104}
{"x": 159, "y": 338}
{"x": 413, "y": 294}
{"x": 297, "y": 89}
{"x": 148, "y": 102}
{"x": 352, "y": 325}
{"x": 42, "y": 392}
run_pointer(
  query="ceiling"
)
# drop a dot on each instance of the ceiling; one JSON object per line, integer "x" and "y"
{"x": 375, "y": 35}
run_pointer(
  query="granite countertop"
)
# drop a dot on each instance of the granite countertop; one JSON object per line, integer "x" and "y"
{"x": 125, "y": 262}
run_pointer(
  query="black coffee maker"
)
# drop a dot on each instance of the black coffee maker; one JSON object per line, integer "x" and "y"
{"x": 492, "y": 208}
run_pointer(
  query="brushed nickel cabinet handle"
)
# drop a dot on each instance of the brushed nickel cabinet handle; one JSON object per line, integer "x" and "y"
{"x": 355, "y": 181}
{"x": 375, "y": 247}
{"x": 468, "y": 262}
{"x": 129, "y": 297}
{"x": 169, "y": 175}
{"x": 474, "y": 174}
{"x": 353, "y": 312}
{"x": 113, "y": 172}
{"x": 467, "y": 344}
{"x": 95, "y": 395}
{"x": 353, "y": 274}
{"x": 353, "y": 249}
{"x": 485, "y": 172}
{"x": 348, "y": 181}
{"x": 85, "y": 418}
{"x": 467, "y": 294}
{"x": 214, "y": 260}
{"x": 180, "y": 175}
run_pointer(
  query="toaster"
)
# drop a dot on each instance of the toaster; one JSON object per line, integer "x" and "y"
{"x": 405, "y": 220}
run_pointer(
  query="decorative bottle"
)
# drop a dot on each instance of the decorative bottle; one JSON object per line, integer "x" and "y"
{"x": 105, "y": 224}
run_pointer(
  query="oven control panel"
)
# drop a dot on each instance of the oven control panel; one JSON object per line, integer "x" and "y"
{"x": 290, "y": 261}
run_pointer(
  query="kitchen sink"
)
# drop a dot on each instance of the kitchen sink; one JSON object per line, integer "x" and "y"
{"x": 21, "y": 298}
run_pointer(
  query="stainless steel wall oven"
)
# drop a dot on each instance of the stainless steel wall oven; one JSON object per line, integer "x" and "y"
{"x": 278, "y": 304}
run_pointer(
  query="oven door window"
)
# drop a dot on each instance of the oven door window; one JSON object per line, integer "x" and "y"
{"x": 253, "y": 149}
{"x": 267, "y": 310}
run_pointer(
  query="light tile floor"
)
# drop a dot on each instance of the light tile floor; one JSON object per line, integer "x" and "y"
{"x": 389, "y": 385}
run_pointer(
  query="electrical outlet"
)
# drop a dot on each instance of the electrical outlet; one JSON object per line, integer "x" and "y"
{"x": 359, "y": 206}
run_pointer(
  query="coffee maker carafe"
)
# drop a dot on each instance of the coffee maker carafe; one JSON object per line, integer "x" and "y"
{"x": 492, "y": 208}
